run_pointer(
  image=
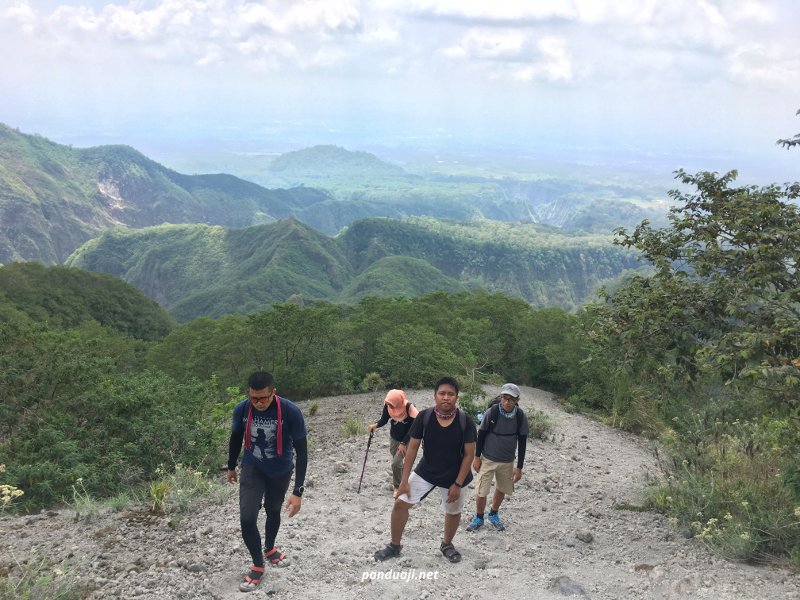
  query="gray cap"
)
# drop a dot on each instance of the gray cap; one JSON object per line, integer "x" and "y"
{"x": 510, "y": 389}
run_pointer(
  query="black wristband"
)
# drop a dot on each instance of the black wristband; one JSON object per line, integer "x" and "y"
{"x": 461, "y": 485}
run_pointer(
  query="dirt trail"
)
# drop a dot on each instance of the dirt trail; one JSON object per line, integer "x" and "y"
{"x": 563, "y": 535}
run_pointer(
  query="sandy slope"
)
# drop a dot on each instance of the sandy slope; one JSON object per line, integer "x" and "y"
{"x": 568, "y": 488}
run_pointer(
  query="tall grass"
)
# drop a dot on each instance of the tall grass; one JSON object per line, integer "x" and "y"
{"x": 730, "y": 484}
{"x": 33, "y": 578}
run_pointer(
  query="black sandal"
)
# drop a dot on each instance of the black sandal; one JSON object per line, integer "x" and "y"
{"x": 389, "y": 552}
{"x": 450, "y": 552}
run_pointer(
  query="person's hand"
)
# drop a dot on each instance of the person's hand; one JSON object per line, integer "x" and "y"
{"x": 231, "y": 475}
{"x": 372, "y": 427}
{"x": 401, "y": 449}
{"x": 453, "y": 493}
{"x": 293, "y": 505}
{"x": 476, "y": 464}
{"x": 517, "y": 474}
{"x": 403, "y": 488}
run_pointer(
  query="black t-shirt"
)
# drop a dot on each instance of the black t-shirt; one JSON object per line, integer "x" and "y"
{"x": 398, "y": 430}
{"x": 443, "y": 449}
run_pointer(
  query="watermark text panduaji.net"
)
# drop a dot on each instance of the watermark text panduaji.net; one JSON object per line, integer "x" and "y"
{"x": 392, "y": 575}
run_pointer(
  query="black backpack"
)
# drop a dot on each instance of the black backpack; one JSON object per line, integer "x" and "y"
{"x": 493, "y": 414}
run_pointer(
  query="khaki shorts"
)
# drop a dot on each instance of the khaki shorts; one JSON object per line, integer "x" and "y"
{"x": 490, "y": 469}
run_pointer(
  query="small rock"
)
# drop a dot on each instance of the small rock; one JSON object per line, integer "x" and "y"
{"x": 566, "y": 587}
{"x": 585, "y": 536}
{"x": 340, "y": 467}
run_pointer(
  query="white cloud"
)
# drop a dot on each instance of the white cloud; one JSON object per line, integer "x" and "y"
{"x": 20, "y": 14}
{"x": 480, "y": 10}
{"x": 489, "y": 44}
{"x": 764, "y": 65}
{"x": 557, "y": 64}
{"x": 423, "y": 54}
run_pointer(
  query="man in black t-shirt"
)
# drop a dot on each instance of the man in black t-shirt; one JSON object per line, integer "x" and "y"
{"x": 449, "y": 438}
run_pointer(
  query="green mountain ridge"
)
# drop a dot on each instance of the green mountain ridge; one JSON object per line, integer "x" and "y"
{"x": 200, "y": 270}
{"x": 53, "y": 197}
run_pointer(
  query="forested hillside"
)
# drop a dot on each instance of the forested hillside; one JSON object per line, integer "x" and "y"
{"x": 67, "y": 298}
{"x": 54, "y": 197}
{"x": 197, "y": 270}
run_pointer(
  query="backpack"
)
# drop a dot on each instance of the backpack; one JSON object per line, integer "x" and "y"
{"x": 493, "y": 414}
{"x": 462, "y": 421}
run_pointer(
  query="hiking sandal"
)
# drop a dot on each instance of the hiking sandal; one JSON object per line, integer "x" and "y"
{"x": 389, "y": 552}
{"x": 450, "y": 552}
{"x": 276, "y": 558}
{"x": 252, "y": 580}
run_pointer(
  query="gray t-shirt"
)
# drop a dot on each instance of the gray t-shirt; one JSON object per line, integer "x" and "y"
{"x": 501, "y": 441}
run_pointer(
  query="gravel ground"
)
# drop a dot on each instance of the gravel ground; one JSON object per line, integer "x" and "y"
{"x": 563, "y": 535}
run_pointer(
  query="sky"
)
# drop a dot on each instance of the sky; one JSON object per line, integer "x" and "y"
{"x": 682, "y": 83}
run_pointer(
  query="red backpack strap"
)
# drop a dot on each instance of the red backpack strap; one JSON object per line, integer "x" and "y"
{"x": 280, "y": 426}
{"x": 247, "y": 427}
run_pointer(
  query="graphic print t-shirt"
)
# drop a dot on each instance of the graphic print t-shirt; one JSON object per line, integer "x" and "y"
{"x": 263, "y": 451}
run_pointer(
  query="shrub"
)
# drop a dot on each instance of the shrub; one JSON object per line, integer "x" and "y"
{"x": 728, "y": 489}
{"x": 540, "y": 425}
{"x": 176, "y": 492}
{"x": 372, "y": 383}
{"x": 111, "y": 437}
{"x": 353, "y": 426}
{"x": 472, "y": 400}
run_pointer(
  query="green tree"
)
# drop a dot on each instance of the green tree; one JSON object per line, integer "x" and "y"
{"x": 790, "y": 142}
{"x": 726, "y": 290}
{"x": 302, "y": 347}
{"x": 414, "y": 356}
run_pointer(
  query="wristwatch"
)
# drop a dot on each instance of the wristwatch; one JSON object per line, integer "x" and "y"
{"x": 298, "y": 491}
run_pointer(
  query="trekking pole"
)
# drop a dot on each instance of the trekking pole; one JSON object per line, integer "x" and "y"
{"x": 364, "y": 466}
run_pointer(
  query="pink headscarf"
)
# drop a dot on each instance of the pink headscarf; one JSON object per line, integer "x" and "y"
{"x": 398, "y": 406}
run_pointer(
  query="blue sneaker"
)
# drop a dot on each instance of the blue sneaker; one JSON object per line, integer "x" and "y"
{"x": 495, "y": 521}
{"x": 475, "y": 524}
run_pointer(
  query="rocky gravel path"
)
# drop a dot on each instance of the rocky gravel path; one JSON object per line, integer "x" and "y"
{"x": 564, "y": 538}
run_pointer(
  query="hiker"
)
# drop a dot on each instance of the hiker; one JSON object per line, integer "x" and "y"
{"x": 448, "y": 434}
{"x": 271, "y": 427}
{"x": 502, "y": 433}
{"x": 402, "y": 413}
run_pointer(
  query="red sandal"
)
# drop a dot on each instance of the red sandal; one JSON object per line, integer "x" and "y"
{"x": 252, "y": 580}
{"x": 276, "y": 558}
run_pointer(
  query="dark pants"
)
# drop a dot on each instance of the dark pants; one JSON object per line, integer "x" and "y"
{"x": 255, "y": 487}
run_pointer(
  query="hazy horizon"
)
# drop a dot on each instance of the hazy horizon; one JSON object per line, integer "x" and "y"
{"x": 645, "y": 86}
